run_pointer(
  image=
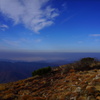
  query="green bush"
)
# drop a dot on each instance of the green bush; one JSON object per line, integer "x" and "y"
{"x": 87, "y": 60}
{"x": 41, "y": 71}
{"x": 85, "y": 63}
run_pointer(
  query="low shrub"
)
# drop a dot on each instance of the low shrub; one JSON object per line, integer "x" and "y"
{"x": 85, "y": 64}
{"x": 41, "y": 71}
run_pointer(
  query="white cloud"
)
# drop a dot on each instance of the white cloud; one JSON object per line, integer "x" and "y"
{"x": 95, "y": 35}
{"x": 3, "y": 27}
{"x": 34, "y": 14}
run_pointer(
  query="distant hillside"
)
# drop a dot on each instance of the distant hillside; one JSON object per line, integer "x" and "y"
{"x": 77, "y": 81}
{"x": 14, "y": 71}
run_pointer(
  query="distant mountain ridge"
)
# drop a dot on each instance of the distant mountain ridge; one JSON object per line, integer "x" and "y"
{"x": 11, "y": 70}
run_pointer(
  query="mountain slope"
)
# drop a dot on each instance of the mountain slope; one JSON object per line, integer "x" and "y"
{"x": 59, "y": 84}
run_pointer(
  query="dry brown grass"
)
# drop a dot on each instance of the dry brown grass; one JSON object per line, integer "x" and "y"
{"x": 54, "y": 86}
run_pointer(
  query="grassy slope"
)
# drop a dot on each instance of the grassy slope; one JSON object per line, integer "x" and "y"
{"x": 60, "y": 84}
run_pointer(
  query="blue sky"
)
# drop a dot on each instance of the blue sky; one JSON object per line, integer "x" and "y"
{"x": 50, "y": 25}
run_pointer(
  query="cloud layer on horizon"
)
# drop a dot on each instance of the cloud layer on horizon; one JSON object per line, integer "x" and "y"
{"x": 32, "y": 56}
{"x": 45, "y": 56}
{"x": 34, "y": 14}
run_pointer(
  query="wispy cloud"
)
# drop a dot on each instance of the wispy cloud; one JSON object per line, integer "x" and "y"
{"x": 95, "y": 35}
{"x": 80, "y": 42}
{"x": 11, "y": 42}
{"x": 67, "y": 19}
{"x": 97, "y": 40}
{"x": 20, "y": 42}
{"x": 34, "y": 14}
{"x": 64, "y": 5}
{"x": 38, "y": 40}
{"x": 4, "y": 27}
{"x": 27, "y": 40}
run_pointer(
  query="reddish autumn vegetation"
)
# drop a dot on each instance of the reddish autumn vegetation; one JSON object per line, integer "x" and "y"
{"x": 67, "y": 82}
